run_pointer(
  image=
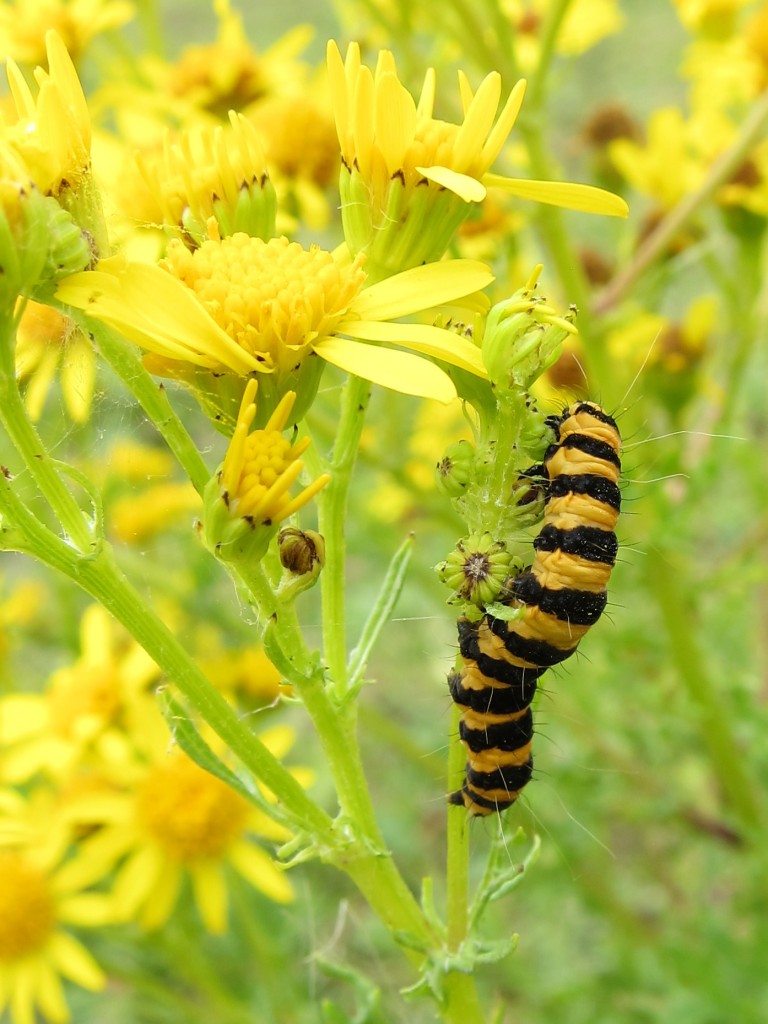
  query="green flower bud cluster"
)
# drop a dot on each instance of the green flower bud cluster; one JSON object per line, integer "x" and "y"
{"x": 476, "y": 570}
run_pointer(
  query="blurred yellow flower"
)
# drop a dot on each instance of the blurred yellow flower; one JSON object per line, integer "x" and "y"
{"x": 180, "y": 821}
{"x": 648, "y": 167}
{"x": 39, "y": 898}
{"x": 228, "y": 74}
{"x": 47, "y": 342}
{"x": 134, "y": 518}
{"x": 24, "y": 23}
{"x": 88, "y": 711}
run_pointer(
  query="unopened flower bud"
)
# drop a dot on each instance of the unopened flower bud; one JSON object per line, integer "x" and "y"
{"x": 302, "y": 552}
{"x": 523, "y": 337}
{"x": 454, "y": 470}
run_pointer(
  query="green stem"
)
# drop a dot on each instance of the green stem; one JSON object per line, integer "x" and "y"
{"x": 332, "y": 504}
{"x": 122, "y": 356}
{"x": 721, "y": 170}
{"x": 457, "y": 868}
{"x": 14, "y": 417}
{"x": 462, "y": 1001}
{"x": 547, "y": 42}
{"x": 715, "y": 728}
{"x": 367, "y": 860}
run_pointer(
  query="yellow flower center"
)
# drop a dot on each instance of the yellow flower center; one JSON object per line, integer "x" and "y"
{"x": 433, "y": 144}
{"x": 89, "y": 691}
{"x": 27, "y": 911}
{"x": 192, "y": 814}
{"x": 273, "y": 298}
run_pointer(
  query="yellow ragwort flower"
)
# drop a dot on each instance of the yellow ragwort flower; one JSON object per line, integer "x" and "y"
{"x": 261, "y": 465}
{"x": 240, "y": 305}
{"x": 212, "y": 171}
{"x": 178, "y": 821}
{"x": 39, "y": 898}
{"x": 248, "y": 498}
{"x": 392, "y": 147}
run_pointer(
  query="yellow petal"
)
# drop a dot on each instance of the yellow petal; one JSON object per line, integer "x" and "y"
{"x": 50, "y": 994}
{"x": 260, "y": 870}
{"x": 573, "y": 196}
{"x": 478, "y": 121}
{"x": 500, "y": 131}
{"x": 430, "y": 341}
{"x": 420, "y": 288}
{"x": 399, "y": 371}
{"x": 162, "y": 900}
{"x": 76, "y": 963}
{"x": 155, "y": 310}
{"x": 210, "y": 895}
{"x": 395, "y": 120}
{"x": 463, "y": 185}
{"x": 91, "y": 909}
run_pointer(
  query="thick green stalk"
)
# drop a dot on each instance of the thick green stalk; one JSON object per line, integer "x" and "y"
{"x": 366, "y": 859}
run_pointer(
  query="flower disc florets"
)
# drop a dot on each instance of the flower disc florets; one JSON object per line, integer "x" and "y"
{"x": 273, "y": 298}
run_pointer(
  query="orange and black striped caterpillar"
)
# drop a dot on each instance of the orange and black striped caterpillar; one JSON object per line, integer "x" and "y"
{"x": 560, "y": 596}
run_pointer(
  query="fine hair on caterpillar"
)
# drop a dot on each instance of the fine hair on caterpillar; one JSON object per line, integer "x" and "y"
{"x": 558, "y": 598}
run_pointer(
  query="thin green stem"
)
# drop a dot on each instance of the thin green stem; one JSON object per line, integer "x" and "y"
{"x": 655, "y": 244}
{"x": 123, "y": 357}
{"x": 367, "y": 860}
{"x": 547, "y": 42}
{"x": 30, "y": 447}
{"x": 332, "y": 504}
{"x": 457, "y": 865}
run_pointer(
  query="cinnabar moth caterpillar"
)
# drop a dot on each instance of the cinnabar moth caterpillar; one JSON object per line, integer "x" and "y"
{"x": 560, "y": 596}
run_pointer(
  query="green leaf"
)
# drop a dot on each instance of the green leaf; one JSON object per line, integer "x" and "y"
{"x": 380, "y": 612}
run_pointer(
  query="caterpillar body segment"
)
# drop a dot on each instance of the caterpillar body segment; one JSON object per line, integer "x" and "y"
{"x": 559, "y": 597}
